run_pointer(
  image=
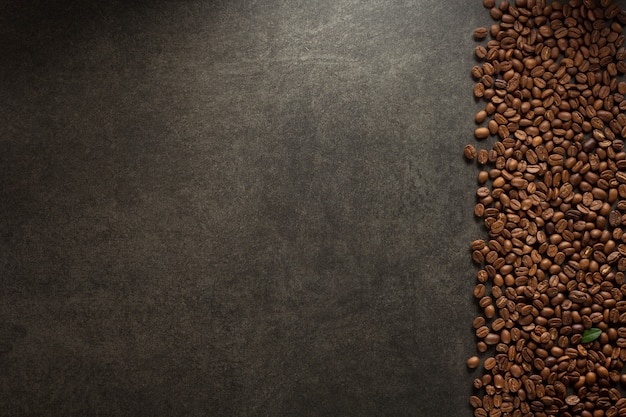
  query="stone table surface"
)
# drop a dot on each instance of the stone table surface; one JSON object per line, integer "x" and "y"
{"x": 237, "y": 207}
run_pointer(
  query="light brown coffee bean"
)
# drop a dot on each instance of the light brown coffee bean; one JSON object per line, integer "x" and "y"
{"x": 480, "y": 52}
{"x": 479, "y": 90}
{"x": 481, "y": 133}
{"x": 481, "y": 116}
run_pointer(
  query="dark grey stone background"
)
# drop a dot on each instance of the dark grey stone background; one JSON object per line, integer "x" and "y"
{"x": 236, "y": 208}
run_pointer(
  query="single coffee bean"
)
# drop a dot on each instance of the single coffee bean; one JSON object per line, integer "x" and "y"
{"x": 481, "y": 116}
{"x": 492, "y": 338}
{"x": 481, "y": 133}
{"x": 482, "y": 157}
{"x": 481, "y": 52}
{"x": 473, "y": 362}
{"x": 478, "y": 322}
{"x": 470, "y": 152}
{"x": 477, "y": 72}
{"x": 480, "y": 33}
{"x": 482, "y": 332}
{"x": 479, "y": 90}
{"x": 490, "y": 363}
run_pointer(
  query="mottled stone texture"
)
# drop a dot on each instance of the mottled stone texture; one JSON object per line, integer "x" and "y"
{"x": 236, "y": 208}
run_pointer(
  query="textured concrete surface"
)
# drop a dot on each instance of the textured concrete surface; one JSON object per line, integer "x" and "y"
{"x": 236, "y": 208}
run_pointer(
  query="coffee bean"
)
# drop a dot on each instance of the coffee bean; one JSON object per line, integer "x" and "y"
{"x": 490, "y": 363}
{"x": 479, "y": 90}
{"x": 481, "y": 116}
{"x": 482, "y": 157}
{"x": 481, "y": 52}
{"x": 481, "y": 133}
{"x": 479, "y": 291}
{"x": 480, "y": 412}
{"x": 480, "y": 33}
{"x": 482, "y": 332}
{"x": 470, "y": 152}
{"x": 552, "y": 195}
{"x": 492, "y": 338}
{"x": 473, "y": 362}
{"x": 477, "y": 72}
{"x": 478, "y": 322}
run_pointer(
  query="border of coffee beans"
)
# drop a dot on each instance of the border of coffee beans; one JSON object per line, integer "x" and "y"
{"x": 551, "y": 283}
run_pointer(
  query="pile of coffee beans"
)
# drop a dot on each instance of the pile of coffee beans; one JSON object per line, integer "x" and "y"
{"x": 551, "y": 283}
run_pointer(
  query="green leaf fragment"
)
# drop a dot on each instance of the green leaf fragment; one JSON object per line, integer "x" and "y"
{"x": 590, "y": 335}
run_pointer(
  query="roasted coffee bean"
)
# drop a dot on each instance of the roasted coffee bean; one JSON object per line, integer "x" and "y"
{"x": 552, "y": 195}
{"x": 480, "y": 33}
{"x": 490, "y": 363}
{"x": 473, "y": 362}
{"x": 481, "y": 133}
{"x": 470, "y": 152}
